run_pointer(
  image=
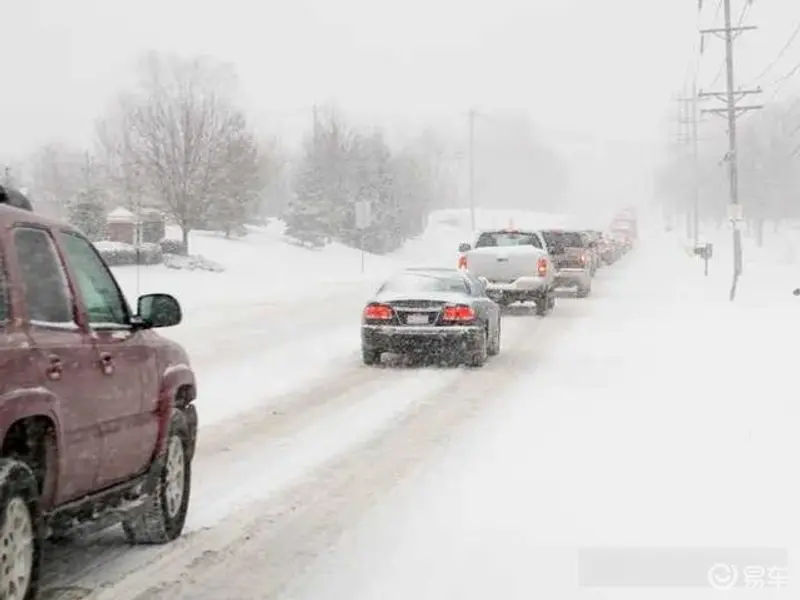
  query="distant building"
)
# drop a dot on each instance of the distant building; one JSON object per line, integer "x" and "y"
{"x": 148, "y": 227}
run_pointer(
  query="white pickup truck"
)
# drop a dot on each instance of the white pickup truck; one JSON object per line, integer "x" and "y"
{"x": 515, "y": 265}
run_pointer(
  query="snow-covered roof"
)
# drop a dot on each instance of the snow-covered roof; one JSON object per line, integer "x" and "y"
{"x": 121, "y": 215}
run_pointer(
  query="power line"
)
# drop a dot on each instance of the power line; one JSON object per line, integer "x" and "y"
{"x": 780, "y": 55}
{"x": 781, "y": 81}
{"x": 718, "y": 76}
{"x": 742, "y": 15}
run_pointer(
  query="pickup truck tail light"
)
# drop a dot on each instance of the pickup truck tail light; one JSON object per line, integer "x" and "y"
{"x": 378, "y": 312}
{"x": 460, "y": 313}
{"x": 541, "y": 267}
{"x": 462, "y": 261}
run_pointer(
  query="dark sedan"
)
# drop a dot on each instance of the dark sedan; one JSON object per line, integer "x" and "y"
{"x": 432, "y": 312}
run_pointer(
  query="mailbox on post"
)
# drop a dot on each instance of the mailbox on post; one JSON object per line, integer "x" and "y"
{"x": 705, "y": 251}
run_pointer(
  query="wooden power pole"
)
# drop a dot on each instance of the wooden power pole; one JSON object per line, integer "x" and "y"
{"x": 732, "y": 110}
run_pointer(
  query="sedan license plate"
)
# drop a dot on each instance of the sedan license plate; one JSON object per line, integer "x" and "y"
{"x": 417, "y": 319}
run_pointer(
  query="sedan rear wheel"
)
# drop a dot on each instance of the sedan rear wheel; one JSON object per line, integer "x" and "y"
{"x": 480, "y": 352}
{"x": 370, "y": 357}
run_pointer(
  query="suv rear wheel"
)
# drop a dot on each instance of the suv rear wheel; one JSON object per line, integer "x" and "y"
{"x": 20, "y": 542}
{"x": 164, "y": 515}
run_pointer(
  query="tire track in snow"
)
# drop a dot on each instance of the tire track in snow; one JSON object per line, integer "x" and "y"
{"x": 278, "y": 537}
{"x": 63, "y": 566}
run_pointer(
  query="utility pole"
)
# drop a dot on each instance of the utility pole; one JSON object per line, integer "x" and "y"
{"x": 472, "y": 115}
{"x": 732, "y": 111}
{"x": 681, "y": 140}
{"x": 691, "y": 120}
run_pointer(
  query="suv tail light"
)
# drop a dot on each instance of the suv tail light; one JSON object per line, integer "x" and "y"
{"x": 584, "y": 259}
{"x": 462, "y": 261}
{"x": 458, "y": 313}
{"x": 541, "y": 267}
{"x": 378, "y": 312}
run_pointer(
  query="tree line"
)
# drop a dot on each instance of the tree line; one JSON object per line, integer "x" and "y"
{"x": 178, "y": 141}
{"x": 768, "y": 173}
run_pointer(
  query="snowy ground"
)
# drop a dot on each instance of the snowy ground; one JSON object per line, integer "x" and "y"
{"x": 652, "y": 414}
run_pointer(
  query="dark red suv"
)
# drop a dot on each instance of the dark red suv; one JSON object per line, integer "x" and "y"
{"x": 97, "y": 414}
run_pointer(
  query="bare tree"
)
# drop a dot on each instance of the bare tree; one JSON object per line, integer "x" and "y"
{"x": 179, "y": 138}
{"x": 55, "y": 176}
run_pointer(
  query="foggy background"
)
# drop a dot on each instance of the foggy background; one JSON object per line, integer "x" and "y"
{"x": 575, "y": 99}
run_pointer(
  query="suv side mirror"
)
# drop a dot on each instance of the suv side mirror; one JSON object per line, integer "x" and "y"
{"x": 159, "y": 310}
{"x": 464, "y": 247}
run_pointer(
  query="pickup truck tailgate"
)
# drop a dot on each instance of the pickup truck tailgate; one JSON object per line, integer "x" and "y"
{"x": 504, "y": 264}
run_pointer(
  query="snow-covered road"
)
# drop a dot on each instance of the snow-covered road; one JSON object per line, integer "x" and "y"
{"x": 635, "y": 417}
{"x": 347, "y": 438}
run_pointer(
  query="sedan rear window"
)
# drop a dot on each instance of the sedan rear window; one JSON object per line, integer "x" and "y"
{"x": 489, "y": 239}
{"x": 420, "y": 282}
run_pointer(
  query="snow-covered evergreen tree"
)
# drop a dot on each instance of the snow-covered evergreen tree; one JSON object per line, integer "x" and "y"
{"x": 318, "y": 210}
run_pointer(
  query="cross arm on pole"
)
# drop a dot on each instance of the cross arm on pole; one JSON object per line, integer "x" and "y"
{"x": 737, "y": 109}
{"x": 723, "y": 31}
{"x": 723, "y": 95}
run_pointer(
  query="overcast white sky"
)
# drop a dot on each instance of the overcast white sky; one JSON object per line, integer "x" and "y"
{"x": 605, "y": 69}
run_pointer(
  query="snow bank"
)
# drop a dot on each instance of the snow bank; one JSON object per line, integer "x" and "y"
{"x": 260, "y": 266}
{"x": 264, "y": 265}
{"x": 769, "y": 273}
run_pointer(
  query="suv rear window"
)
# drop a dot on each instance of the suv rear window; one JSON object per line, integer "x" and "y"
{"x": 563, "y": 239}
{"x": 43, "y": 277}
{"x": 489, "y": 239}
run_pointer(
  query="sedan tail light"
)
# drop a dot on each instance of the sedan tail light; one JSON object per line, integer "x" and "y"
{"x": 458, "y": 313}
{"x": 462, "y": 261}
{"x": 378, "y": 312}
